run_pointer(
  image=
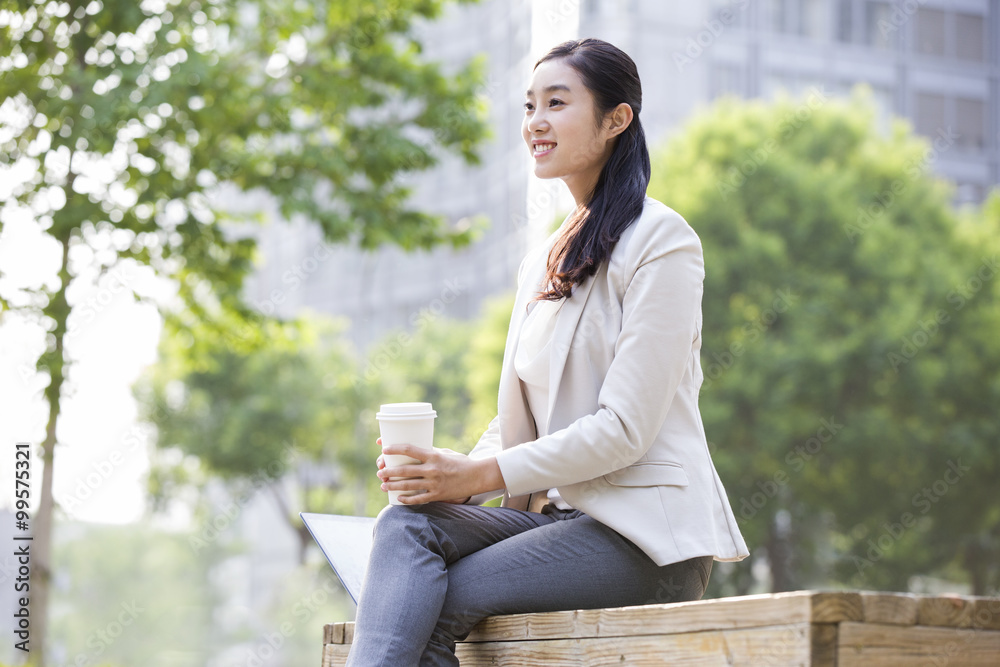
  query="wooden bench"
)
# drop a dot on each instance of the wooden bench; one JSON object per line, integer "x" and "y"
{"x": 799, "y": 628}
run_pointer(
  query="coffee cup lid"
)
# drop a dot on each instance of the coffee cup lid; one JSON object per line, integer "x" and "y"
{"x": 390, "y": 411}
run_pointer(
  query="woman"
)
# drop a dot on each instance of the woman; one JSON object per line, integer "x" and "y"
{"x": 610, "y": 497}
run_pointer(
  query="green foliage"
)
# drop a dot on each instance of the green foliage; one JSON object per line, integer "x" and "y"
{"x": 145, "y": 596}
{"x": 483, "y": 361}
{"x": 428, "y": 365}
{"x": 252, "y": 417}
{"x": 122, "y": 122}
{"x": 841, "y": 372}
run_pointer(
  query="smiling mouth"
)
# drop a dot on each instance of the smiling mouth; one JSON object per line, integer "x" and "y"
{"x": 542, "y": 149}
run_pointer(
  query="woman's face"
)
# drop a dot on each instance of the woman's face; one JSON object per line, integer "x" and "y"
{"x": 560, "y": 130}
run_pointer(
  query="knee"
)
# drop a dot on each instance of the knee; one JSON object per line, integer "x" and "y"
{"x": 394, "y": 519}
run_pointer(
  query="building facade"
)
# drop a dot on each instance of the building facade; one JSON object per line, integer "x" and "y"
{"x": 934, "y": 62}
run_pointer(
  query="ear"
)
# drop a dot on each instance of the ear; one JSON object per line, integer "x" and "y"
{"x": 620, "y": 118}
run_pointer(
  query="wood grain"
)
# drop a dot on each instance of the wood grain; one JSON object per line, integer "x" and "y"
{"x": 889, "y": 608}
{"x": 880, "y": 645}
{"x": 834, "y": 607}
{"x": 333, "y": 633}
{"x": 986, "y": 613}
{"x": 826, "y": 628}
{"x": 945, "y": 610}
{"x": 722, "y": 614}
{"x": 785, "y": 645}
{"x": 823, "y": 644}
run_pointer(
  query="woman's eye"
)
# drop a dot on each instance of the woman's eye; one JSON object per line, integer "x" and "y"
{"x": 528, "y": 106}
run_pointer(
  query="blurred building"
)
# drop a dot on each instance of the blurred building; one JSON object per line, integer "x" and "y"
{"x": 935, "y": 62}
{"x": 389, "y": 289}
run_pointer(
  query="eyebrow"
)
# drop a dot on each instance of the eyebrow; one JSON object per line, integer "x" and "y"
{"x": 549, "y": 89}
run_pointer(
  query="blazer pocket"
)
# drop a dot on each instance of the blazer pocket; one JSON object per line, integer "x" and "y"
{"x": 649, "y": 473}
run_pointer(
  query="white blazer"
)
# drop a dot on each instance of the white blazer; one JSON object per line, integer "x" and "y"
{"x": 624, "y": 441}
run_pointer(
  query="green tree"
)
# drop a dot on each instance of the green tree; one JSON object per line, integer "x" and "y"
{"x": 255, "y": 418}
{"x": 832, "y": 391}
{"x": 123, "y": 119}
{"x": 483, "y": 362}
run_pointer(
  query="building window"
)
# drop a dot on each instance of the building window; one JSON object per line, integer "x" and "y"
{"x": 815, "y": 19}
{"x": 807, "y": 18}
{"x": 868, "y": 22}
{"x": 929, "y": 36}
{"x": 845, "y": 20}
{"x": 929, "y": 113}
{"x": 969, "y": 123}
{"x": 969, "y": 37}
{"x": 726, "y": 80}
{"x": 878, "y": 26}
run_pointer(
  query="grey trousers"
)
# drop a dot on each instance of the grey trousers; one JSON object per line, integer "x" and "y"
{"x": 438, "y": 569}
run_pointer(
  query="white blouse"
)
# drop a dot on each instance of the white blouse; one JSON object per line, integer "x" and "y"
{"x": 531, "y": 362}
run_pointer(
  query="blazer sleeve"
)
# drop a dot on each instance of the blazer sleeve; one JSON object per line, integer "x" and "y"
{"x": 661, "y": 306}
{"x": 487, "y": 447}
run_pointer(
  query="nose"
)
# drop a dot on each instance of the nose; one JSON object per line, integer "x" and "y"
{"x": 536, "y": 121}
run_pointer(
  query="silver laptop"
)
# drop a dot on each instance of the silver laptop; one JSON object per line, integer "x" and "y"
{"x": 346, "y": 542}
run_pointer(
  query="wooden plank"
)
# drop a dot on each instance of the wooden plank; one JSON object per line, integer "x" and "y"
{"x": 889, "y": 608}
{"x": 986, "y": 613}
{"x": 834, "y": 607}
{"x": 882, "y": 645}
{"x": 335, "y": 655}
{"x": 349, "y": 632}
{"x": 333, "y": 633}
{"x": 780, "y": 645}
{"x": 722, "y": 614}
{"x": 945, "y": 610}
{"x": 823, "y": 644}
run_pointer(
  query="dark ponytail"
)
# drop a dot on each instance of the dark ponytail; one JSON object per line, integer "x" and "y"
{"x": 617, "y": 199}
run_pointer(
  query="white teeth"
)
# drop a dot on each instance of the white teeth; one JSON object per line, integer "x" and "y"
{"x": 541, "y": 148}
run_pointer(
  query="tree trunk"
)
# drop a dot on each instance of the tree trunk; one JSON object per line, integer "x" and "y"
{"x": 778, "y": 552}
{"x": 975, "y": 562}
{"x": 300, "y": 530}
{"x": 53, "y": 360}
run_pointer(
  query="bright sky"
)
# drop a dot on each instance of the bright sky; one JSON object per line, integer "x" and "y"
{"x": 101, "y": 460}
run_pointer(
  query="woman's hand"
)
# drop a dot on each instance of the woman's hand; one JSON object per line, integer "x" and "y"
{"x": 445, "y": 475}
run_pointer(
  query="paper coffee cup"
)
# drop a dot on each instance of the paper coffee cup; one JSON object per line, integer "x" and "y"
{"x": 405, "y": 424}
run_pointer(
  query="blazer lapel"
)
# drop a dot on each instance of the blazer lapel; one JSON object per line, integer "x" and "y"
{"x": 516, "y": 423}
{"x": 567, "y": 321}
